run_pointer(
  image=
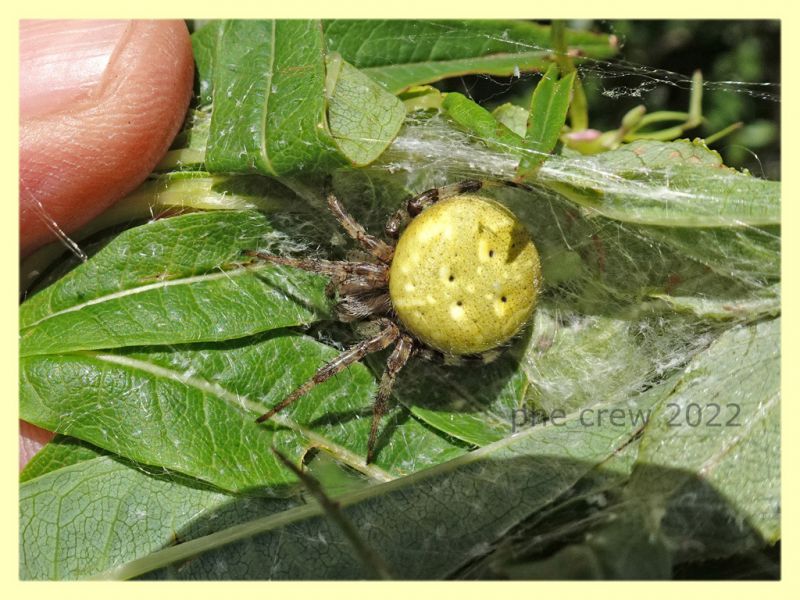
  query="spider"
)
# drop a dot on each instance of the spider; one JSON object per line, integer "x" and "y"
{"x": 457, "y": 280}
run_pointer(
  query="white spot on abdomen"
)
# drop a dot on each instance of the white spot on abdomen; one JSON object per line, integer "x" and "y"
{"x": 456, "y": 312}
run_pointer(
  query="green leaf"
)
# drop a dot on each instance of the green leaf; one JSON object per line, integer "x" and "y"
{"x": 402, "y": 53}
{"x": 758, "y": 305}
{"x": 694, "y": 488}
{"x": 204, "y": 47}
{"x": 477, "y": 120}
{"x": 677, "y": 184}
{"x": 277, "y": 111}
{"x": 363, "y": 118}
{"x": 445, "y": 514}
{"x": 473, "y": 403}
{"x": 512, "y": 116}
{"x": 422, "y": 97}
{"x": 86, "y": 517}
{"x": 596, "y": 359}
{"x": 619, "y": 552}
{"x": 547, "y": 116}
{"x": 577, "y": 524}
{"x": 150, "y": 415}
{"x": 720, "y": 431}
{"x": 751, "y": 255}
{"x": 193, "y": 409}
{"x": 269, "y": 100}
{"x": 168, "y": 282}
{"x": 597, "y": 266}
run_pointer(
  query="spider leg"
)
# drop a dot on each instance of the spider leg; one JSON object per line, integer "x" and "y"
{"x": 418, "y": 203}
{"x": 389, "y": 333}
{"x": 377, "y": 248}
{"x": 354, "y": 307}
{"x": 397, "y": 360}
{"x": 375, "y": 274}
{"x": 452, "y": 360}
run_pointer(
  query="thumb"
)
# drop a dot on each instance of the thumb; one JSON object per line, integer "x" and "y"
{"x": 100, "y": 102}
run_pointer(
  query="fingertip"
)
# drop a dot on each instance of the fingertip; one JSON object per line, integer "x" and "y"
{"x": 31, "y": 440}
{"x": 107, "y": 124}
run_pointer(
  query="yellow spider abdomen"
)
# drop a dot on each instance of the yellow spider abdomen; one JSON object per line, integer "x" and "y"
{"x": 464, "y": 276}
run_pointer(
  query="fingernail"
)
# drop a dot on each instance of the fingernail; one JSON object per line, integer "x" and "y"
{"x": 62, "y": 62}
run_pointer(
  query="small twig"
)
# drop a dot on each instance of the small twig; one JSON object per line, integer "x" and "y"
{"x": 579, "y": 107}
{"x": 332, "y": 508}
{"x": 723, "y": 132}
{"x": 696, "y": 101}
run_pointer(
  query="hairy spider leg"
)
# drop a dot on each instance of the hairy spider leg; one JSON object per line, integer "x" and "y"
{"x": 376, "y": 247}
{"x": 466, "y": 360}
{"x": 340, "y": 269}
{"x": 388, "y": 335}
{"x": 397, "y": 360}
{"x": 420, "y": 202}
{"x": 362, "y": 287}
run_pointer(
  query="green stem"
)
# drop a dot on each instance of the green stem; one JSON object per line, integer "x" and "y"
{"x": 579, "y": 106}
{"x": 696, "y": 98}
{"x": 723, "y": 132}
{"x": 333, "y": 510}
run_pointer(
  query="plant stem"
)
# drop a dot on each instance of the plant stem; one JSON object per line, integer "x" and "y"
{"x": 333, "y": 510}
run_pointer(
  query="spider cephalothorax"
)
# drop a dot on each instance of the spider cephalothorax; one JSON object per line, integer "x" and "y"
{"x": 460, "y": 280}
